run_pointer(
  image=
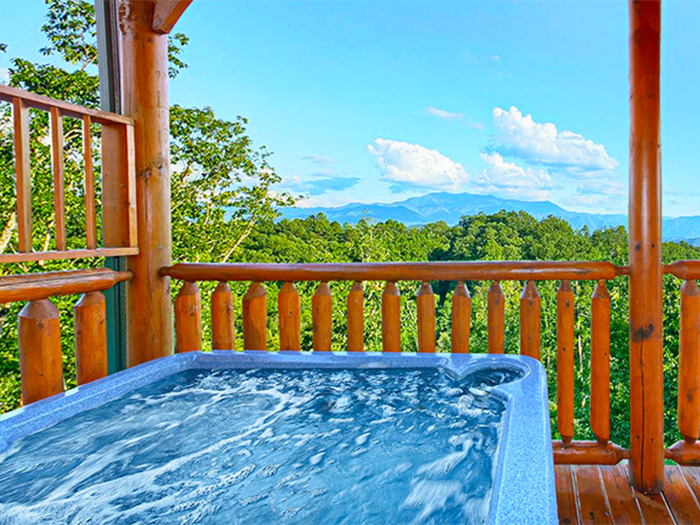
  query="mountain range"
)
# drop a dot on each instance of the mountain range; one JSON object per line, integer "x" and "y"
{"x": 450, "y": 207}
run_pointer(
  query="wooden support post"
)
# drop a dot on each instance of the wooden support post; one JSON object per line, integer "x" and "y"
{"x": 425, "y": 302}
{"x": 145, "y": 90}
{"x": 289, "y": 311}
{"x": 496, "y": 319}
{"x": 391, "y": 318}
{"x": 188, "y": 318}
{"x": 90, "y": 318}
{"x": 223, "y": 330}
{"x": 255, "y": 318}
{"x": 600, "y": 363}
{"x": 461, "y": 319}
{"x": 356, "y": 318}
{"x": 530, "y": 325}
{"x": 689, "y": 363}
{"x": 40, "y": 360}
{"x": 322, "y": 317}
{"x": 646, "y": 288}
{"x": 565, "y": 362}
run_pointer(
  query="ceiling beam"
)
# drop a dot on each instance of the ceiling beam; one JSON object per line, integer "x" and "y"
{"x": 167, "y": 13}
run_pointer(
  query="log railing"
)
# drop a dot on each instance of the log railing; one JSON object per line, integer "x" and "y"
{"x": 41, "y": 363}
{"x": 117, "y": 172}
{"x": 188, "y": 322}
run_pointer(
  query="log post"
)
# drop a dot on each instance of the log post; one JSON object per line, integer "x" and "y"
{"x": 188, "y": 318}
{"x": 530, "y": 324}
{"x": 356, "y": 318}
{"x": 40, "y": 358}
{"x": 289, "y": 312}
{"x": 255, "y": 318}
{"x": 322, "y": 317}
{"x": 425, "y": 303}
{"x": 496, "y": 319}
{"x": 90, "y": 318}
{"x": 145, "y": 89}
{"x": 461, "y": 319}
{"x": 600, "y": 363}
{"x": 565, "y": 362}
{"x": 646, "y": 465}
{"x": 391, "y": 318}
{"x": 689, "y": 363}
{"x": 223, "y": 330}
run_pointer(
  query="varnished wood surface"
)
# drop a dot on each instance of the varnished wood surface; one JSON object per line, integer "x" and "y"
{"x": 603, "y": 494}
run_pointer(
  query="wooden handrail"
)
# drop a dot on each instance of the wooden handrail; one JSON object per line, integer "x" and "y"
{"x": 683, "y": 269}
{"x": 32, "y": 100}
{"x": 36, "y": 286}
{"x": 397, "y": 271}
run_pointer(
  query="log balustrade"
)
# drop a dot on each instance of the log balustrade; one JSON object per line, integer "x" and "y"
{"x": 254, "y": 320}
{"x": 41, "y": 363}
{"x": 117, "y": 172}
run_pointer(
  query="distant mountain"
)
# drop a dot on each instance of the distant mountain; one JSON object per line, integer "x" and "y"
{"x": 450, "y": 207}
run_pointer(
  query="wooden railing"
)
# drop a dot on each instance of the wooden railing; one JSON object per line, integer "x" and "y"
{"x": 188, "y": 323}
{"x": 117, "y": 171}
{"x": 41, "y": 362}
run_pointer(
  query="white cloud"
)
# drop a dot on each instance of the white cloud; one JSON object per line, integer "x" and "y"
{"x": 496, "y": 58}
{"x": 407, "y": 165}
{"x": 507, "y": 179}
{"x": 542, "y": 143}
{"x": 611, "y": 187}
{"x": 4, "y": 75}
{"x": 446, "y": 115}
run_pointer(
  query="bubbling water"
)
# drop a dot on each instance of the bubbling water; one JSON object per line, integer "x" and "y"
{"x": 267, "y": 446}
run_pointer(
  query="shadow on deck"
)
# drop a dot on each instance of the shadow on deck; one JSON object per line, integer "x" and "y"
{"x": 602, "y": 494}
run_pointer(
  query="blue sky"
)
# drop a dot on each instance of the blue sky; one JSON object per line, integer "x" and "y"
{"x": 372, "y": 101}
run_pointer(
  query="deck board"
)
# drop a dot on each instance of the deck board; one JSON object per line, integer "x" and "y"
{"x": 602, "y": 494}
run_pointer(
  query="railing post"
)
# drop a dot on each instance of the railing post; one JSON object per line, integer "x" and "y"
{"x": 600, "y": 363}
{"x": 40, "y": 358}
{"x": 223, "y": 330}
{"x": 425, "y": 303}
{"x": 90, "y": 318}
{"x": 391, "y": 318}
{"x": 145, "y": 90}
{"x": 356, "y": 319}
{"x": 322, "y": 317}
{"x": 646, "y": 286}
{"x": 289, "y": 314}
{"x": 565, "y": 362}
{"x": 530, "y": 321}
{"x": 461, "y": 319}
{"x": 255, "y": 318}
{"x": 496, "y": 319}
{"x": 689, "y": 363}
{"x": 188, "y": 318}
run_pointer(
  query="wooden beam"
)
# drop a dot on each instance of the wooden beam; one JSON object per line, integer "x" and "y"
{"x": 145, "y": 90}
{"x": 645, "y": 294}
{"x": 167, "y": 13}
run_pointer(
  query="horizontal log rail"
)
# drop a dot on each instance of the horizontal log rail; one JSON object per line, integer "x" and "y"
{"x": 398, "y": 271}
{"x": 40, "y": 356}
{"x": 117, "y": 171}
{"x": 255, "y": 321}
{"x": 684, "y": 270}
{"x": 31, "y": 287}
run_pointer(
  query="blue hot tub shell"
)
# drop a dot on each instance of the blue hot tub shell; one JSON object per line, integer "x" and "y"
{"x": 524, "y": 489}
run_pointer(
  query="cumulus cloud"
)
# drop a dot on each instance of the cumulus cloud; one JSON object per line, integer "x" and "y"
{"x": 445, "y": 115}
{"x": 407, "y": 165}
{"x": 520, "y": 136}
{"x": 507, "y": 179}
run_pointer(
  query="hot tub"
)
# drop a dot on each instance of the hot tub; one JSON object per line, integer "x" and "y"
{"x": 256, "y": 437}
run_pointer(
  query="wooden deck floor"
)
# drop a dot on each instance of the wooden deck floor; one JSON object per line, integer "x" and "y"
{"x": 592, "y": 494}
